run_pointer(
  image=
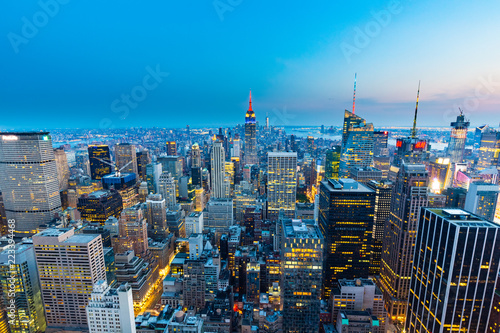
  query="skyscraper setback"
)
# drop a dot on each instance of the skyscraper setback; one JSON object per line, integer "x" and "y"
{"x": 250, "y": 135}
{"x": 28, "y": 179}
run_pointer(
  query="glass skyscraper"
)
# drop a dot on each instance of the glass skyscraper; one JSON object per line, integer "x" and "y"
{"x": 98, "y": 169}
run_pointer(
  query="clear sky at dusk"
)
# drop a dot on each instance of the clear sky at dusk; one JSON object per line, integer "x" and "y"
{"x": 73, "y": 63}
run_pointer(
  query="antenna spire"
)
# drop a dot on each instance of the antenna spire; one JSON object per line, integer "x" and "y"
{"x": 250, "y": 103}
{"x": 414, "y": 130}
{"x": 354, "y": 96}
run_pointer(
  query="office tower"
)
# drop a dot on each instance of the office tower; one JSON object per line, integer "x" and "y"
{"x": 250, "y": 135}
{"x": 364, "y": 175}
{"x": 478, "y": 134}
{"x": 455, "y": 197}
{"x": 357, "y": 147}
{"x": 194, "y": 284}
{"x": 408, "y": 195}
{"x": 383, "y": 194}
{"x": 440, "y": 174}
{"x": 217, "y": 164}
{"x": 133, "y": 228}
{"x": 62, "y": 168}
{"x": 482, "y": 200}
{"x": 359, "y": 295}
{"x": 380, "y": 139}
{"x": 153, "y": 173}
{"x": 195, "y": 246}
{"x": 111, "y": 309}
{"x": 302, "y": 265}
{"x": 142, "y": 192}
{"x": 172, "y": 164}
{"x": 125, "y": 184}
{"x": 143, "y": 159}
{"x": 236, "y": 147}
{"x": 166, "y": 187}
{"x": 310, "y": 145}
{"x": 346, "y": 213}
{"x": 281, "y": 184}
{"x": 489, "y": 149}
{"x": 82, "y": 161}
{"x": 194, "y": 223}
{"x": 453, "y": 274}
{"x": 200, "y": 199}
{"x": 175, "y": 222}
{"x": 28, "y": 179}
{"x": 332, "y": 162}
{"x": 383, "y": 164}
{"x": 156, "y": 216}
{"x": 196, "y": 165}
{"x": 98, "y": 168}
{"x": 171, "y": 148}
{"x": 98, "y": 206}
{"x": 20, "y": 288}
{"x": 218, "y": 214}
{"x": 458, "y": 137}
{"x": 126, "y": 158}
{"x": 68, "y": 266}
{"x": 253, "y": 282}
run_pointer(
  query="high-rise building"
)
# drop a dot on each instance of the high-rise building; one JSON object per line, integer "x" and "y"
{"x": 457, "y": 140}
{"x": 383, "y": 193}
{"x": 489, "y": 150}
{"x": 478, "y": 133}
{"x": 156, "y": 217}
{"x": 153, "y": 173}
{"x": 111, "y": 309}
{"x": 408, "y": 195}
{"x": 143, "y": 159}
{"x": 196, "y": 165}
{"x": 172, "y": 164}
{"x": 194, "y": 284}
{"x": 171, "y": 148}
{"x": 453, "y": 274}
{"x": 482, "y": 200}
{"x": 346, "y": 212}
{"x": 28, "y": 179}
{"x": 194, "y": 223}
{"x": 217, "y": 164}
{"x": 332, "y": 162}
{"x": 68, "y": 266}
{"x": 133, "y": 228}
{"x": 302, "y": 264}
{"x": 166, "y": 187}
{"x": 20, "y": 288}
{"x": 218, "y": 215}
{"x": 357, "y": 149}
{"x": 62, "y": 168}
{"x": 98, "y": 206}
{"x": 281, "y": 183}
{"x": 100, "y": 161}
{"x": 380, "y": 139}
{"x": 82, "y": 161}
{"x": 250, "y": 135}
{"x": 310, "y": 145}
{"x": 126, "y": 158}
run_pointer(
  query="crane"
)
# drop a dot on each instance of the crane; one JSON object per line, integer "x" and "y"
{"x": 117, "y": 171}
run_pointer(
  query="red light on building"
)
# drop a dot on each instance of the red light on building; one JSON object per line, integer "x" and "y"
{"x": 399, "y": 143}
{"x": 420, "y": 145}
{"x": 385, "y": 133}
{"x": 235, "y": 308}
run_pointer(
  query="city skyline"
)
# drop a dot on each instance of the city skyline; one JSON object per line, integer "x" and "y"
{"x": 296, "y": 70}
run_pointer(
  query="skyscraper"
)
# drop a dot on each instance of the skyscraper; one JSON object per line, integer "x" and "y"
{"x": 453, "y": 274}
{"x": 143, "y": 159}
{"x": 302, "y": 264}
{"x": 166, "y": 187}
{"x": 332, "y": 163}
{"x": 98, "y": 154}
{"x": 281, "y": 183}
{"x": 250, "y": 135}
{"x": 156, "y": 216}
{"x": 28, "y": 179}
{"x": 153, "y": 173}
{"x": 408, "y": 195}
{"x": 82, "y": 161}
{"x": 489, "y": 150}
{"x": 68, "y": 265}
{"x": 458, "y": 137}
{"x": 126, "y": 158}
{"x": 346, "y": 212}
{"x": 380, "y": 139}
{"x": 218, "y": 165}
{"x": 357, "y": 149}
{"x": 133, "y": 226}
{"x": 482, "y": 200}
{"x": 62, "y": 168}
{"x": 196, "y": 165}
{"x": 171, "y": 148}
{"x": 98, "y": 206}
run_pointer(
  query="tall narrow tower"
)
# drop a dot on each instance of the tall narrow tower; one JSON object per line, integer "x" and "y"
{"x": 218, "y": 170}
{"x": 250, "y": 135}
{"x": 458, "y": 137}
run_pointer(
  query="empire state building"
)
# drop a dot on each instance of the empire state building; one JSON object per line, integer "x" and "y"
{"x": 250, "y": 135}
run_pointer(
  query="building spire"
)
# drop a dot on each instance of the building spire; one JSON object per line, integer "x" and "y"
{"x": 250, "y": 103}
{"x": 354, "y": 96}
{"x": 414, "y": 129}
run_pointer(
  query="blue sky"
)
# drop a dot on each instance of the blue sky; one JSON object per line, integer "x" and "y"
{"x": 72, "y": 63}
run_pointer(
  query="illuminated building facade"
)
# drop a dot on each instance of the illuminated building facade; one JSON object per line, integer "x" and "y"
{"x": 380, "y": 139}
{"x": 166, "y": 187}
{"x": 357, "y": 144}
{"x": 171, "y": 147}
{"x": 457, "y": 141}
{"x": 62, "y": 168}
{"x": 98, "y": 206}
{"x": 126, "y": 158}
{"x": 453, "y": 273}
{"x": 302, "y": 264}
{"x": 153, "y": 173}
{"x": 408, "y": 195}
{"x": 143, "y": 159}
{"x": 68, "y": 266}
{"x": 332, "y": 163}
{"x": 82, "y": 161}
{"x": 28, "y": 179}
{"x": 250, "y": 135}
{"x": 98, "y": 169}
{"x": 489, "y": 149}
{"x": 196, "y": 165}
{"x": 346, "y": 213}
{"x": 383, "y": 194}
{"x": 411, "y": 150}
{"x": 482, "y": 200}
{"x": 281, "y": 184}
{"x": 217, "y": 164}
{"x": 133, "y": 227}
{"x": 156, "y": 216}
{"x": 28, "y": 315}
